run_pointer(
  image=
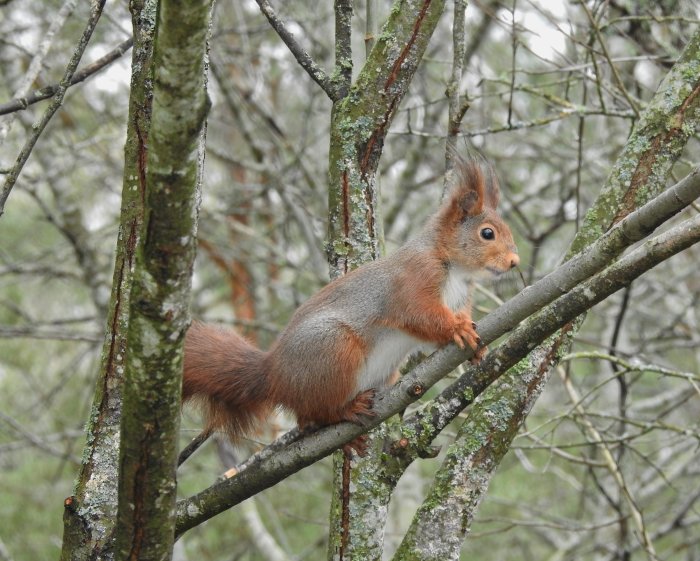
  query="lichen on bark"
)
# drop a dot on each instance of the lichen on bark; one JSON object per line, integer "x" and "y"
{"x": 90, "y": 512}
{"x": 159, "y": 311}
{"x": 359, "y": 124}
{"x": 638, "y": 175}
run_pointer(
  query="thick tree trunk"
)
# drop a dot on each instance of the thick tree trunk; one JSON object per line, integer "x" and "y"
{"x": 639, "y": 174}
{"x": 91, "y": 512}
{"x": 150, "y": 297}
{"x": 161, "y": 290}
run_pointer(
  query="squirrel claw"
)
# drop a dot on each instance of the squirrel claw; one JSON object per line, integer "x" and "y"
{"x": 359, "y": 445}
{"x": 360, "y": 408}
{"x": 465, "y": 332}
{"x": 479, "y": 354}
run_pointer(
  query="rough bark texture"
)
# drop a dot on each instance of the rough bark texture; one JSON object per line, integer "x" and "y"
{"x": 90, "y": 513}
{"x": 291, "y": 452}
{"x": 486, "y": 435}
{"x": 360, "y": 120}
{"x": 670, "y": 118}
{"x": 160, "y": 292}
{"x": 639, "y": 174}
{"x": 359, "y": 124}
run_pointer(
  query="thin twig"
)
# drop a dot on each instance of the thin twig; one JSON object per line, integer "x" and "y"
{"x": 514, "y": 51}
{"x": 456, "y": 109}
{"x": 612, "y": 466}
{"x": 193, "y": 446}
{"x": 21, "y": 103}
{"x": 620, "y": 84}
{"x": 268, "y": 467}
{"x": 37, "y": 62}
{"x": 303, "y": 58}
{"x": 51, "y": 110}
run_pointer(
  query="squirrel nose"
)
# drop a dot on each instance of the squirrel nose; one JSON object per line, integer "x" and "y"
{"x": 514, "y": 260}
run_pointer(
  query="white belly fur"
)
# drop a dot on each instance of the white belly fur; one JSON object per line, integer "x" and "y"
{"x": 455, "y": 291}
{"x": 392, "y": 346}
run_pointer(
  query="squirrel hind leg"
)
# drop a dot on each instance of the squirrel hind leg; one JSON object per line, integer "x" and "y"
{"x": 322, "y": 390}
{"x": 359, "y": 409}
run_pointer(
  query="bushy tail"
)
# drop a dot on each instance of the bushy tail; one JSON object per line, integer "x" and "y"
{"x": 225, "y": 374}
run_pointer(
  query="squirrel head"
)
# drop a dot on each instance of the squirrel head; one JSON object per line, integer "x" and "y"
{"x": 470, "y": 230}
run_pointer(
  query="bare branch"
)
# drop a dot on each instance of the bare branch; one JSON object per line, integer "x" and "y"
{"x": 456, "y": 109}
{"x": 23, "y": 102}
{"x": 343, "y": 48}
{"x": 37, "y": 62}
{"x": 266, "y": 469}
{"x": 39, "y": 127}
{"x": 303, "y": 58}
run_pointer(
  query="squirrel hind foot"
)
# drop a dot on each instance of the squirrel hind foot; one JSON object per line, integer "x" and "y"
{"x": 359, "y": 445}
{"x": 359, "y": 410}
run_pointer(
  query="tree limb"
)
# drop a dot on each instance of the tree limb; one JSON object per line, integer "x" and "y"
{"x": 266, "y": 469}
{"x": 55, "y": 105}
{"x": 160, "y": 295}
{"x": 303, "y": 58}
{"x": 23, "y": 102}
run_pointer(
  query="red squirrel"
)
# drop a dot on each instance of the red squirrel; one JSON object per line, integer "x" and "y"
{"x": 349, "y": 338}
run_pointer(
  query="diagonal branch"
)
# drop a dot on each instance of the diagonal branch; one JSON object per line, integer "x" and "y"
{"x": 37, "y": 63}
{"x": 39, "y": 127}
{"x": 275, "y": 463}
{"x": 485, "y": 436}
{"x": 303, "y": 58}
{"x": 634, "y": 228}
{"x": 24, "y": 101}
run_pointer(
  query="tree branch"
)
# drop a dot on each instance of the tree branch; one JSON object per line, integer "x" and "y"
{"x": 37, "y": 62}
{"x": 160, "y": 295}
{"x": 640, "y": 171}
{"x": 39, "y": 127}
{"x": 359, "y": 124}
{"x": 456, "y": 109}
{"x": 303, "y": 58}
{"x": 266, "y": 469}
{"x": 343, "y": 48}
{"x": 90, "y": 514}
{"x": 491, "y": 440}
{"x": 21, "y": 103}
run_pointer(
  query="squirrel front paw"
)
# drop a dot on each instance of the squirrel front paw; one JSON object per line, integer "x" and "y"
{"x": 479, "y": 354}
{"x": 465, "y": 334}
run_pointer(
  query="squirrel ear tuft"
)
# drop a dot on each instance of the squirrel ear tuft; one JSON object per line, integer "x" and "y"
{"x": 470, "y": 203}
{"x": 492, "y": 191}
{"x": 476, "y": 184}
{"x": 468, "y": 194}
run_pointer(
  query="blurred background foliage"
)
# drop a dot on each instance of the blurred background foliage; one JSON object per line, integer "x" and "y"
{"x": 545, "y": 106}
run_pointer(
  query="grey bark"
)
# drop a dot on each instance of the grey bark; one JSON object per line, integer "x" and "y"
{"x": 159, "y": 311}
{"x": 294, "y": 451}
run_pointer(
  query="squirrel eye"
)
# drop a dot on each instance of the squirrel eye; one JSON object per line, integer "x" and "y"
{"x": 488, "y": 234}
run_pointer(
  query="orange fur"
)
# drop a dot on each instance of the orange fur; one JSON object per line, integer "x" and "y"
{"x": 226, "y": 374}
{"x": 349, "y": 338}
